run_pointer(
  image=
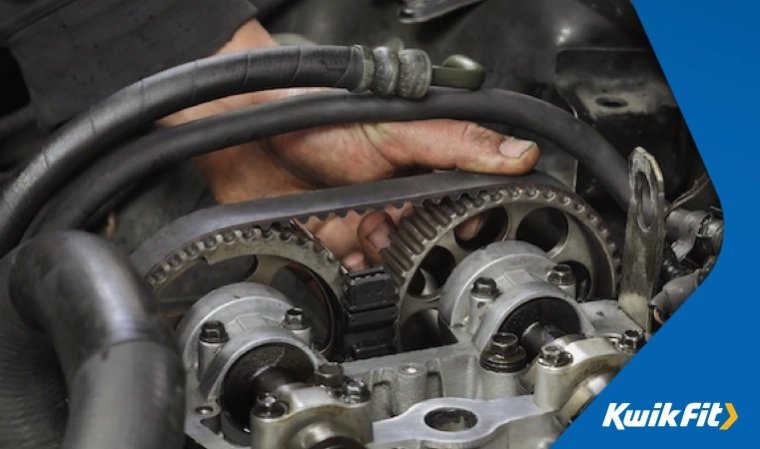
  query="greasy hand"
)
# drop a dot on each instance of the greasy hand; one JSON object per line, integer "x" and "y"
{"x": 349, "y": 154}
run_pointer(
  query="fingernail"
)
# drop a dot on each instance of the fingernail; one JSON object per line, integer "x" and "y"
{"x": 515, "y": 148}
{"x": 355, "y": 262}
{"x": 409, "y": 212}
{"x": 380, "y": 236}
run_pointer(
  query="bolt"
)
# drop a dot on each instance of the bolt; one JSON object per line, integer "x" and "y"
{"x": 632, "y": 340}
{"x": 554, "y": 356}
{"x": 268, "y": 406}
{"x": 505, "y": 343}
{"x": 329, "y": 375}
{"x": 355, "y": 391}
{"x": 295, "y": 320}
{"x": 562, "y": 274}
{"x": 214, "y": 332}
{"x": 484, "y": 288}
{"x": 408, "y": 11}
{"x": 503, "y": 354}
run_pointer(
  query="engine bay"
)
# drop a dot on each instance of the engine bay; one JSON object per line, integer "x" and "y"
{"x": 226, "y": 326}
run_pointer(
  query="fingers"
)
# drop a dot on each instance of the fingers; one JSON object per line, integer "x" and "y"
{"x": 374, "y": 235}
{"x": 449, "y": 144}
{"x": 338, "y": 234}
{"x": 355, "y": 261}
{"x": 470, "y": 228}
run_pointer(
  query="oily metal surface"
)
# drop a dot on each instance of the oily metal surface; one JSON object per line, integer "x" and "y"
{"x": 587, "y": 241}
{"x": 644, "y": 238}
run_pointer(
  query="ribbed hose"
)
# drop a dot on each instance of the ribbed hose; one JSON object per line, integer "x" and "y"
{"x": 71, "y": 303}
{"x": 72, "y": 207}
{"x": 139, "y": 105}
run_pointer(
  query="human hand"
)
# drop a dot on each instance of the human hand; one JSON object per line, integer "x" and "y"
{"x": 349, "y": 154}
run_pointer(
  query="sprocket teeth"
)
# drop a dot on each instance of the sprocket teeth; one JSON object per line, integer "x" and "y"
{"x": 410, "y": 236}
{"x": 404, "y": 245}
{"x": 464, "y": 205}
{"x": 421, "y": 225}
{"x": 392, "y": 264}
{"x": 416, "y": 233}
{"x": 436, "y": 214}
{"x": 401, "y": 260}
{"x": 496, "y": 196}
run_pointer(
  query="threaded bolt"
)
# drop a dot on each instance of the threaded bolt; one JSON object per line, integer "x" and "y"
{"x": 503, "y": 354}
{"x": 554, "y": 357}
{"x": 632, "y": 340}
{"x": 562, "y": 274}
{"x": 355, "y": 391}
{"x": 484, "y": 288}
{"x": 214, "y": 332}
{"x": 295, "y": 320}
{"x": 268, "y": 406}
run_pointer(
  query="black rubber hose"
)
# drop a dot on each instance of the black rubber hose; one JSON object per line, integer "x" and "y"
{"x": 79, "y": 295}
{"x": 74, "y": 205}
{"x": 139, "y": 105}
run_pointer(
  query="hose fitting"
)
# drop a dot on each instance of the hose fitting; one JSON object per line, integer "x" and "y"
{"x": 410, "y": 74}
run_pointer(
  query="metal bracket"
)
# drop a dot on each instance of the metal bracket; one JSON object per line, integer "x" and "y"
{"x": 417, "y": 11}
{"x": 644, "y": 238}
{"x": 459, "y": 72}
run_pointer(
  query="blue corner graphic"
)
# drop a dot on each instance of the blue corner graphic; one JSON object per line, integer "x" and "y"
{"x": 707, "y": 352}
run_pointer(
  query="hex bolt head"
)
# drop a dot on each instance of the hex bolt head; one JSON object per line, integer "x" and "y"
{"x": 484, "y": 288}
{"x": 632, "y": 340}
{"x": 295, "y": 320}
{"x": 268, "y": 406}
{"x": 214, "y": 332}
{"x": 329, "y": 375}
{"x": 504, "y": 354}
{"x": 554, "y": 357}
{"x": 562, "y": 274}
{"x": 355, "y": 391}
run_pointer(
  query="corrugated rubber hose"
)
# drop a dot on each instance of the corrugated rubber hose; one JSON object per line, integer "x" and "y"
{"x": 135, "y": 107}
{"x": 82, "y": 336}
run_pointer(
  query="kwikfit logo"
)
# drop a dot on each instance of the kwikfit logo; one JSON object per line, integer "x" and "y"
{"x": 695, "y": 414}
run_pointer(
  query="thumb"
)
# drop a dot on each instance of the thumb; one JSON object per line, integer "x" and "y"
{"x": 449, "y": 144}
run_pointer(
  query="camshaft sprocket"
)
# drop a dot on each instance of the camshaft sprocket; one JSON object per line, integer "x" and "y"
{"x": 429, "y": 234}
{"x": 267, "y": 229}
{"x": 274, "y": 247}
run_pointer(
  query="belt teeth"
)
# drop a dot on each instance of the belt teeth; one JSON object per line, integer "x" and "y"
{"x": 433, "y": 218}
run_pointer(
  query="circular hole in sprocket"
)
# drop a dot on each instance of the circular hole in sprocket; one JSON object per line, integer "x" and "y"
{"x": 545, "y": 227}
{"x": 493, "y": 228}
{"x": 434, "y": 270}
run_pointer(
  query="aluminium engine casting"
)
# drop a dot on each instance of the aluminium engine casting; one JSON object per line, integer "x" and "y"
{"x": 524, "y": 359}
